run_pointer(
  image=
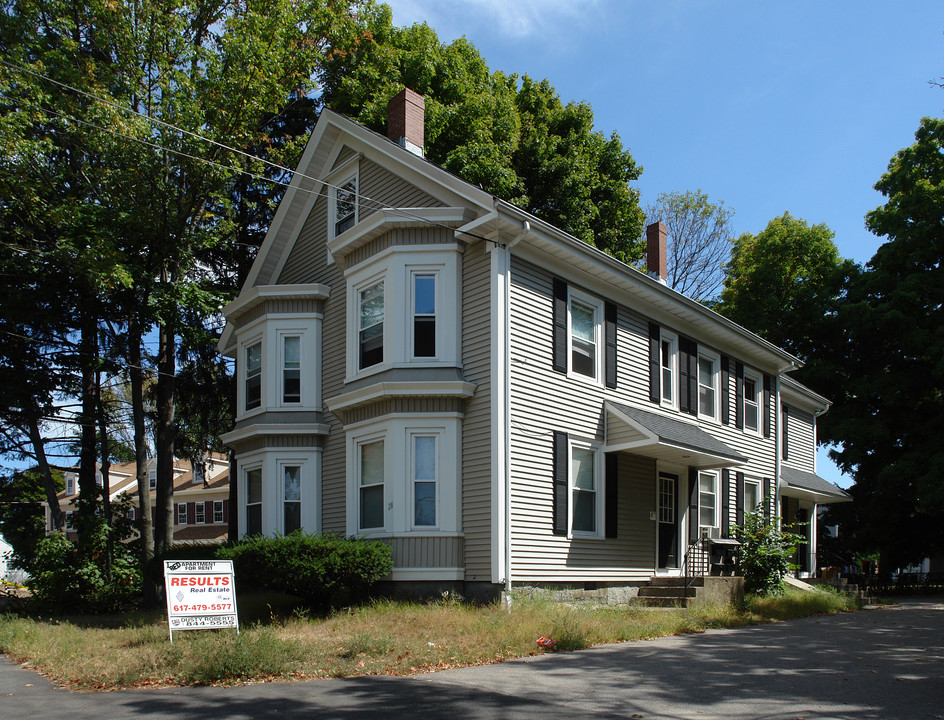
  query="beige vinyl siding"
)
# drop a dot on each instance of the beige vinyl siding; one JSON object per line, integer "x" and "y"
{"x": 406, "y": 236}
{"x": 380, "y": 188}
{"x": 544, "y": 401}
{"x": 344, "y": 155}
{"x": 801, "y": 445}
{"x": 308, "y": 260}
{"x": 426, "y": 552}
{"x": 269, "y": 442}
{"x": 476, "y": 427}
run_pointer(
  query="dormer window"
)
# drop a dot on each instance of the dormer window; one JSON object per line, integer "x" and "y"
{"x": 345, "y": 206}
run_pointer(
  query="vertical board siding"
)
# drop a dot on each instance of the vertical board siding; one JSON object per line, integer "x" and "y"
{"x": 544, "y": 401}
{"x": 426, "y": 552}
{"x": 476, "y": 427}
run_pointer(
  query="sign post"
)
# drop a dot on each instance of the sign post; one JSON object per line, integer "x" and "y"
{"x": 201, "y": 595}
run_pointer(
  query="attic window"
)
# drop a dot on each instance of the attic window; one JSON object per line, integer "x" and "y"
{"x": 345, "y": 206}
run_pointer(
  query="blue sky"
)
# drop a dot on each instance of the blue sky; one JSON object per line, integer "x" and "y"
{"x": 770, "y": 107}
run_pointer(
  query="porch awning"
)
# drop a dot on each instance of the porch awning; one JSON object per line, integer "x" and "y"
{"x": 809, "y": 486}
{"x": 644, "y": 433}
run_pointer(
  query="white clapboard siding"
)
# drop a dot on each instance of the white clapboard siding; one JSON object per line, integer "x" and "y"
{"x": 801, "y": 445}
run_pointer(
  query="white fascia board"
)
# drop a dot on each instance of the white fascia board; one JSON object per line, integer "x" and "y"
{"x": 798, "y": 395}
{"x": 275, "y": 429}
{"x": 642, "y": 287}
{"x": 365, "y": 395}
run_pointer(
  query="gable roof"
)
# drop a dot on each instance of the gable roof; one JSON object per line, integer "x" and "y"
{"x": 818, "y": 488}
{"x": 493, "y": 220}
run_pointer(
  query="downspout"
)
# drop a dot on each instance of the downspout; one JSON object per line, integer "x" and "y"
{"x": 778, "y": 450}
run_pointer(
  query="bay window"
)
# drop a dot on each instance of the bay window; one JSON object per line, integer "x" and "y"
{"x": 371, "y": 325}
{"x": 254, "y": 376}
{"x": 291, "y": 498}
{"x": 371, "y": 482}
{"x": 291, "y": 369}
{"x": 424, "y": 465}
{"x": 253, "y": 501}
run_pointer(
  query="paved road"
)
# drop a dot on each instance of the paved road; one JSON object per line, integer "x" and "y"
{"x": 882, "y": 664}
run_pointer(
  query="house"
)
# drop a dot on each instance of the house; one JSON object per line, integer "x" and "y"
{"x": 503, "y": 404}
{"x": 201, "y": 498}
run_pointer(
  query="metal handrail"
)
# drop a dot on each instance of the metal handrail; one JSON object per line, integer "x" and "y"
{"x": 685, "y": 563}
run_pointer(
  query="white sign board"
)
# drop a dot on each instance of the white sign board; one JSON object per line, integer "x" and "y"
{"x": 201, "y": 595}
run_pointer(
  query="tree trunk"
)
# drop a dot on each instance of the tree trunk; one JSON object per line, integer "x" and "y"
{"x": 88, "y": 487}
{"x": 106, "y": 485}
{"x": 164, "y": 440}
{"x": 145, "y": 526}
{"x": 49, "y": 485}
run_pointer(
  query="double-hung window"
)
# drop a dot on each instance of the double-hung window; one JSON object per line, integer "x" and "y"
{"x": 254, "y": 501}
{"x": 371, "y": 485}
{"x": 583, "y": 339}
{"x": 152, "y": 479}
{"x": 751, "y": 403}
{"x": 371, "y": 325}
{"x": 291, "y": 498}
{"x": 200, "y": 513}
{"x": 217, "y": 511}
{"x": 291, "y": 369}
{"x": 424, "y": 314}
{"x": 424, "y": 464}
{"x": 182, "y": 513}
{"x": 345, "y": 206}
{"x": 707, "y": 386}
{"x": 584, "y": 490}
{"x": 708, "y": 515}
{"x": 254, "y": 376}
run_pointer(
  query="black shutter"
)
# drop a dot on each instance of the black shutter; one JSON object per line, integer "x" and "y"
{"x": 739, "y": 395}
{"x": 692, "y": 505}
{"x": 191, "y": 513}
{"x": 655, "y": 364}
{"x": 560, "y": 325}
{"x": 559, "y": 488}
{"x": 767, "y": 499}
{"x": 611, "y": 492}
{"x": 208, "y": 511}
{"x": 725, "y": 502}
{"x": 609, "y": 315}
{"x": 688, "y": 376}
{"x": 725, "y": 385}
{"x": 784, "y": 434}
{"x": 739, "y": 480}
{"x": 767, "y": 398}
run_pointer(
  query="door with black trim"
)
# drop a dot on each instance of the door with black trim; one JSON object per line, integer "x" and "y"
{"x": 667, "y": 514}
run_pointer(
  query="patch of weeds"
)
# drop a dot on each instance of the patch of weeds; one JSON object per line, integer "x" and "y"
{"x": 215, "y": 658}
{"x": 367, "y": 643}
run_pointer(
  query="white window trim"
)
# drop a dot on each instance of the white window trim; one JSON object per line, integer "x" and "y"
{"x": 182, "y": 511}
{"x": 760, "y": 494}
{"x": 716, "y": 527}
{"x": 244, "y": 496}
{"x": 715, "y": 381}
{"x": 597, "y": 306}
{"x": 598, "y": 484}
{"x": 397, "y": 431}
{"x": 220, "y": 504}
{"x": 242, "y": 366}
{"x": 758, "y": 401}
{"x": 672, "y": 402}
{"x": 199, "y": 513}
{"x": 395, "y": 268}
{"x": 282, "y": 335}
{"x": 411, "y": 434}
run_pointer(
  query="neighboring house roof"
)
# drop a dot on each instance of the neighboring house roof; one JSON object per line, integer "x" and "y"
{"x": 669, "y": 439}
{"x": 798, "y": 394}
{"x": 201, "y": 533}
{"x": 807, "y": 485}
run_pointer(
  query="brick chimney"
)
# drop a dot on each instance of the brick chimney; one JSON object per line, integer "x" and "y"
{"x": 657, "y": 251}
{"x": 406, "y": 113}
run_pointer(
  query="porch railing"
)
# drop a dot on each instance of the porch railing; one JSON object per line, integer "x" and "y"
{"x": 695, "y": 563}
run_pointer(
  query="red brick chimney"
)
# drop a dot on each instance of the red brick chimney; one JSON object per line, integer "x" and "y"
{"x": 406, "y": 113}
{"x": 657, "y": 251}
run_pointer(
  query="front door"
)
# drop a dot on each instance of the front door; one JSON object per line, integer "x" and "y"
{"x": 667, "y": 538}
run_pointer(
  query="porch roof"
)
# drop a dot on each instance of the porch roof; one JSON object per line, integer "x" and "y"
{"x": 809, "y": 486}
{"x": 664, "y": 438}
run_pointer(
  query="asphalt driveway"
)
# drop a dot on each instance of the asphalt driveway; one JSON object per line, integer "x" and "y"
{"x": 886, "y": 663}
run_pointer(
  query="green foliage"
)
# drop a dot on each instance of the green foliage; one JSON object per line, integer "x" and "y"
{"x": 63, "y": 578}
{"x": 512, "y": 136}
{"x": 765, "y": 553}
{"x": 22, "y": 519}
{"x": 784, "y": 284}
{"x": 322, "y": 569}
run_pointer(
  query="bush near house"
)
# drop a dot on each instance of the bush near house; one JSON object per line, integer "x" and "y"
{"x": 765, "y": 553}
{"x": 323, "y": 570}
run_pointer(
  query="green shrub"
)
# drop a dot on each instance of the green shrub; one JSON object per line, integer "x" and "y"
{"x": 765, "y": 554}
{"x": 322, "y": 569}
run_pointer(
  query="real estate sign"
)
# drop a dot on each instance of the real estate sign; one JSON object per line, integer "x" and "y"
{"x": 201, "y": 595}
